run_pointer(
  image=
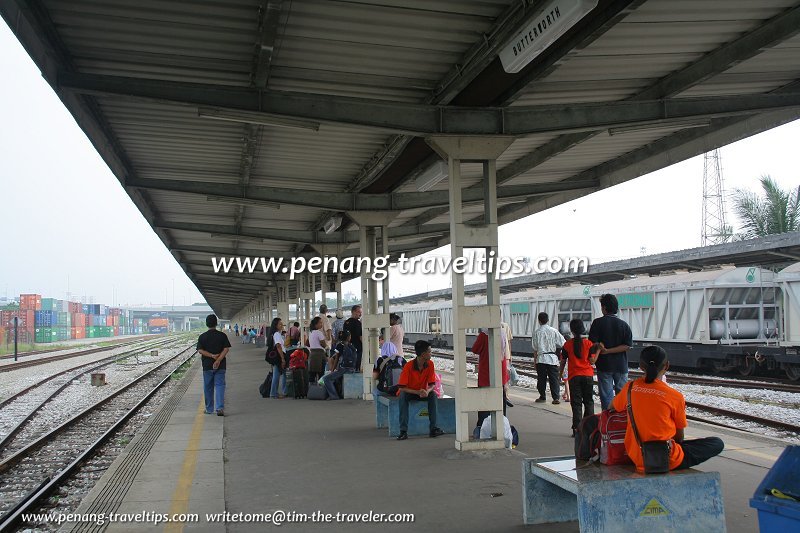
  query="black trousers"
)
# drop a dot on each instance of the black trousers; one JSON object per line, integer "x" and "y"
{"x": 697, "y": 451}
{"x": 580, "y": 392}
{"x": 545, "y": 373}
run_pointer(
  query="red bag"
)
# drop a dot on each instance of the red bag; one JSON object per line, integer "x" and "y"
{"x": 297, "y": 360}
{"x": 613, "y": 426}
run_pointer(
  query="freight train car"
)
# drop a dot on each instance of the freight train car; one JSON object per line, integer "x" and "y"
{"x": 727, "y": 319}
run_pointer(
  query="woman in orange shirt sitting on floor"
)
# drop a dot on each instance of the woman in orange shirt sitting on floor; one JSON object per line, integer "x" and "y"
{"x": 660, "y": 414}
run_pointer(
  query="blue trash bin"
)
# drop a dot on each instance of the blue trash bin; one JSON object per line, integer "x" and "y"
{"x": 777, "y": 499}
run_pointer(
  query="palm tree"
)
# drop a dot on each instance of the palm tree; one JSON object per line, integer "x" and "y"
{"x": 777, "y": 212}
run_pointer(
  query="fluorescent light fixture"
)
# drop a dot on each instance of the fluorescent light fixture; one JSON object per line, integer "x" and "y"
{"x": 550, "y": 22}
{"x": 658, "y": 126}
{"x": 431, "y": 176}
{"x": 332, "y": 224}
{"x": 252, "y": 117}
{"x": 244, "y": 201}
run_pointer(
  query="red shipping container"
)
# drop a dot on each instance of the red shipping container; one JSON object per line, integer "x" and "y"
{"x": 109, "y": 320}
{"x": 158, "y": 322}
{"x": 78, "y": 332}
{"x": 113, "y": 312}
{"x": 30, "y": 302}
{"x": 116, "y": 332}
{"x": 26, "y": 319}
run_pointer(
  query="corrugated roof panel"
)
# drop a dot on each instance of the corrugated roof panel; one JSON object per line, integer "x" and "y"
{"x": 209, "y": 42}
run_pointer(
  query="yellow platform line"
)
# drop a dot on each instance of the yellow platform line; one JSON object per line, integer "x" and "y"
{"x": 180, "y": 498}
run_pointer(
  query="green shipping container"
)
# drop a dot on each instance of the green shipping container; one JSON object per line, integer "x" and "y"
{"x": 49, "y": 304}
{"x": 91, "y": 332}
{"x": 44, "y": 335}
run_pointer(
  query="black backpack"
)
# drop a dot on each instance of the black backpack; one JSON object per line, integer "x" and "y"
{"x": 389, "y": 374}
{"x": 347, "y": 357}
{"x": 587, "y": 438}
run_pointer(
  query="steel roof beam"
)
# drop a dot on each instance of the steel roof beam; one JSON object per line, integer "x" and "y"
{"x": 423, "y": 120}
{"x": 774, "y": 31}
{"x": 349, "y": 201}
{"x": 309, "y": 237}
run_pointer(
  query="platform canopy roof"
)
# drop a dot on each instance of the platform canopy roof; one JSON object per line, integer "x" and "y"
{"x": 242, "y": 127}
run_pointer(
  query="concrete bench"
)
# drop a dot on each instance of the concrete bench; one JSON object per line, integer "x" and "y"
{"x": 353, "y": 386}
{"x": 617, "y": 498}
{"x": 387, "y": 414}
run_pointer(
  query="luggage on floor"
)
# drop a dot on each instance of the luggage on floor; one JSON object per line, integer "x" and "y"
{"x": 264, "y": 388}
{"x": 300, "y": 381}
{"x": 316, "y": 392}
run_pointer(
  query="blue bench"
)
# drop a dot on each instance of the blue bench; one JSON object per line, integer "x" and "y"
{"x": 387, "y": 414}
{"x": 353, "y": 386}
{"x": 616, "y": 498}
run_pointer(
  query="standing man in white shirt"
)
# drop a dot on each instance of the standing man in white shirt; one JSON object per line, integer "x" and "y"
{"x": 326, "y": 325}
{"x": 547, "y": 343}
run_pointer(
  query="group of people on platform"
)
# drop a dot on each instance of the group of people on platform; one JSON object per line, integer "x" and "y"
{"x": 605, "y": 348}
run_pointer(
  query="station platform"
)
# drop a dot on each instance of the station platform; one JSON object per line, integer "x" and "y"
{"x": 300, "y": 456}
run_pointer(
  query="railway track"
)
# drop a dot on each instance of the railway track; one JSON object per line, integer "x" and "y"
{"x": 16, "y": 411}
{"x": 39, "y": 352}
{"x": 34, "y": 362}
{"x": 34, "y": 469}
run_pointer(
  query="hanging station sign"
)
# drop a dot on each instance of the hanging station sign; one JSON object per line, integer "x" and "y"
{"x": 550, "y": 22}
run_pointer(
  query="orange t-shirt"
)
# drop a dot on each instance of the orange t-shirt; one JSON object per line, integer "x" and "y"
{"x": 659, "y": 410}
{"x": 416, "y": 379}
{"x": 582, "y": 366}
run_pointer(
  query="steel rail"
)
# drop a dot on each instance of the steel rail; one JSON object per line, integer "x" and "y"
{"x": 12, "y": 517}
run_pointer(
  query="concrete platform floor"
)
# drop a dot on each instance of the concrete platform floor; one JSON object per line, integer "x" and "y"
{"x": 304, "y": 457}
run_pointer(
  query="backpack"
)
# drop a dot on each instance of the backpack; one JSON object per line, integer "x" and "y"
{"x": 347, "y": 357}
{"x": 389, "y": 374}
{"x": 613, "y": 426}
{"x": 264, "y": 388}
{"x": 587, "y": 439}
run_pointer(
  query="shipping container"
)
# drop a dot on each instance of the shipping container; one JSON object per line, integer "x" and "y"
{"x": 63, "y": 319}
{"x": 62, "y": 333}
{"x": 157, "y": 330}
{"x": 30, "y": 302}
{"x": 48, "y": 304}
{"x": 116, "y": 331}
{"x": 45, "y": 319}
{"x": 160, "y": 314}
{"x": 158, "y": 322}
{"x": 78, "y": 332}
{"x": 85, "y": 309}
{"x": 45, "y": 334}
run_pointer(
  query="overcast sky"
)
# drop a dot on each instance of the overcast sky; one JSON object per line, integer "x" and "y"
{"x": 70, "y": 227}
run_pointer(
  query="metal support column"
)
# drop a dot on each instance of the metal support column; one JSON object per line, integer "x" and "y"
{"x": 486, "y": 317}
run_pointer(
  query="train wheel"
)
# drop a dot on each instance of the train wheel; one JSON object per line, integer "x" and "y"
{"x": 793, "y": 371}
{"x": 747, "y": 369}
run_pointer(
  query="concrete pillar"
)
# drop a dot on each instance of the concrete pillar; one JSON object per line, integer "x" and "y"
{"x": 472, "y": 399}
{"x": 307, "y": 285}
{"x": 283, "y": 301}
{"x": 372, "y": 321}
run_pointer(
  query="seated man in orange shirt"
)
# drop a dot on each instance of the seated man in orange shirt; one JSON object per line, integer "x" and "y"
{"x": 660, "y": 414}
{"x": 416, "y": 383}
